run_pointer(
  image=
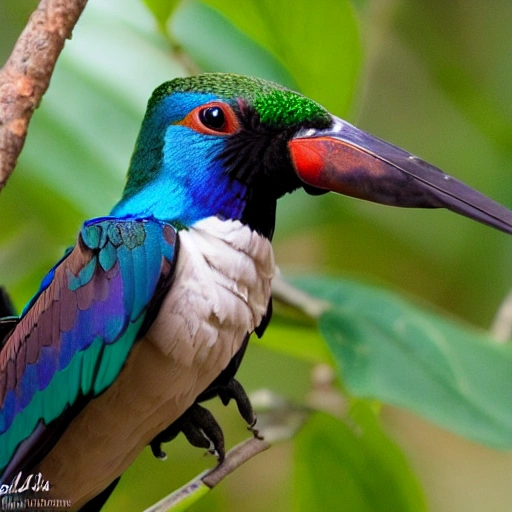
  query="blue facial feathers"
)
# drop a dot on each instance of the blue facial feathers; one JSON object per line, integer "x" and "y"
{"x": 175, "y": 174}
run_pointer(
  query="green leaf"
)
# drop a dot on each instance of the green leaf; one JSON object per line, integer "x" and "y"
{"x": 297, "y": 341}
{"x": 321, "y": 52}
{"x": 352, "y": 467}
{"x": 393, "y": 351}
{"x": 161, "y": 10}
{"x": 197, "y": 27}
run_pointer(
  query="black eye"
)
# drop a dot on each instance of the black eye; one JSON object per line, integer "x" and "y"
{"x": 213, "y": 118}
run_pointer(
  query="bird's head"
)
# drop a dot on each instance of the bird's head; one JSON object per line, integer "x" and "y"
{"x": 229, "y": 146}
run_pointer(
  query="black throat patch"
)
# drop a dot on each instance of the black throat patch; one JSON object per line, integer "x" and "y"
{"x": 258, "y": 157}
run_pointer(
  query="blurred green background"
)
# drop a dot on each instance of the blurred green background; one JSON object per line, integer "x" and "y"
{"x": 431, "y": 76}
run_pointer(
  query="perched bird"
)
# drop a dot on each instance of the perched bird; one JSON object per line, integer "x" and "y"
{"x": 151, "y": 311}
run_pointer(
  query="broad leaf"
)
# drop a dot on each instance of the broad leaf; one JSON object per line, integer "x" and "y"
{"x": 352, "y": 466}
{"x": 302, "y": 342}
{"x": 391, "y": 350}
{"x": 321, "y": 52}
{"x": 216, "y": 45}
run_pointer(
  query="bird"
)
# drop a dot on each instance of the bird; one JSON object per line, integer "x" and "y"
{"x": 149, "y": 314}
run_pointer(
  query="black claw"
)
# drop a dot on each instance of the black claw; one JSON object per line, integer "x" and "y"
{"x": 164, "y": 437}
{"x": 199, "y": 427}
{"x": 203, "y": 421}
{"x": 234, "y": 390}
{"x": 156, "y": 449}
{"x": 198, "y": 424}
{"x": 255, "y": 432}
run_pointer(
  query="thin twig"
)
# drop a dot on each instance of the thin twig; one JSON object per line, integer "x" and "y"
{"x": 203, "y": 483}
{"x": 278, "y": 420}
{"x": 178, "y": 53}
{"x": 292, "y": 296}
{"x": 235, "y": 458}
{"x": 185, "y": 60}
{"x": 26, "y": 75}
{"x": 501, "y": 328}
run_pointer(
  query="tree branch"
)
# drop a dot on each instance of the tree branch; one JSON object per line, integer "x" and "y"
{"x": 278, "y": 420}
{"x": 288, "y": 294}
{"x": 26, "y": 75}
{"x": 203, "y": 483}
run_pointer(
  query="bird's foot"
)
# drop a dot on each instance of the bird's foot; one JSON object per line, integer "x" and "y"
{"x": 234, "y": 390}
{"x": 202, "y": 430}
{"x": 255, "y": 432}
{"x": 199, "y": 427}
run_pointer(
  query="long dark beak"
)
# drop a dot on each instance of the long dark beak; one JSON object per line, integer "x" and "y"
{"x": 349, "y": 161}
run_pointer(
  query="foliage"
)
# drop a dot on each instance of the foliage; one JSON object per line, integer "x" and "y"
{"x": 428, "y": 85}
{"x": 390, "y": 350}
{"x": 356, "y": 458}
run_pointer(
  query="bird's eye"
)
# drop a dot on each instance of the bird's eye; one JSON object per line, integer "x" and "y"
{"x": 213, "y": 118}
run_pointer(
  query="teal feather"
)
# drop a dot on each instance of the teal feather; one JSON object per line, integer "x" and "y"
{"x": 84, "y": 276}
{"x": 107, "y": 256}
{"x": 99, "y": 295}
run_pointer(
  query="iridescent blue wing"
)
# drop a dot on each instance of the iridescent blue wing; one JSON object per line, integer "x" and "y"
{"x": 75, "y": 335}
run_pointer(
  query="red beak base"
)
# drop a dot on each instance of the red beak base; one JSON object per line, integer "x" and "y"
{"x": 335, "y": 165}
{"x": 349, "y": 161}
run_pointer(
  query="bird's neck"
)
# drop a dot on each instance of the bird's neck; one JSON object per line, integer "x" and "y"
{"x": 179, "y": 202}
{"x": 184, "y": 199}
{"x": 174, "y": 176}
{"x": 173, "y": 183}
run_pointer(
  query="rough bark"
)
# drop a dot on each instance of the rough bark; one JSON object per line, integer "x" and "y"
{"x": 26, "y": 75}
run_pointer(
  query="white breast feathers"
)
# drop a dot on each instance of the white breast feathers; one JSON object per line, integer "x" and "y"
{"x": 220, "y": 293}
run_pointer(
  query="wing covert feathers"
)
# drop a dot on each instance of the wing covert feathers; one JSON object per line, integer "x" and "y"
{"x": 76, "y": 333}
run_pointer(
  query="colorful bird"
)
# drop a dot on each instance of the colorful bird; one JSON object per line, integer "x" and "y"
{"x": 151, "y": 311}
